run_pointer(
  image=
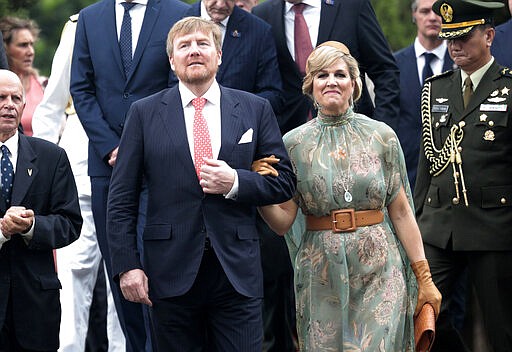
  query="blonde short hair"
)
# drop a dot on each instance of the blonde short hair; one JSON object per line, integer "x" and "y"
{"x": 189, "y": 25}
{"x": 325, "y": 55}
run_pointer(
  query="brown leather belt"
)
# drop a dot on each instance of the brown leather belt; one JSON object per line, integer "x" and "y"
{"x": 344, "y": 220}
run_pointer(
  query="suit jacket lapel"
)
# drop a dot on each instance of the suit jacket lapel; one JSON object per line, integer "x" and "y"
{"x": 108, "y": 17}
{"x": 150, "y": 17}
{"x": 230, "y": 124}
{"x": 234, "y": 34}
{"x": 328, "y": 13}
{"x": 172, "y": 119}
{"x": 26, "y": 170}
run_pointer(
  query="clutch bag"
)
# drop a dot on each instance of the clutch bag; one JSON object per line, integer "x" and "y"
{"x": 425, "y": 328}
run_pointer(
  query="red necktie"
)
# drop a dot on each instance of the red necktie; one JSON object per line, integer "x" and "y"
{"x": 302, "y": 40}
{"x": 202, "y": 142}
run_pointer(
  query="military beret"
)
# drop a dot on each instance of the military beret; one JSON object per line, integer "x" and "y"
{"x": 459, "y": 17}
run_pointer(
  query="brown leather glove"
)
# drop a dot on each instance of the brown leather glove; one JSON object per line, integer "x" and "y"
{"x": 264, "y": 167}
{"x": 427, "y": 291}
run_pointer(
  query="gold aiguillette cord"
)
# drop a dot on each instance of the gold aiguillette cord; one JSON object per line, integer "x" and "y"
{"x": 456, "y": 160}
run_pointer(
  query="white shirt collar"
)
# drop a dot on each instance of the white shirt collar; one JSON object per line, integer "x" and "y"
{"x": 438, "y": 52}
{"x": 212, "y": 95}
{"x": 12, "y": 144}
{"x": 312, "y": 3}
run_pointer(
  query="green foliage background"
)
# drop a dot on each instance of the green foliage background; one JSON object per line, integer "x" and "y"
{"x": 394, "y": 17}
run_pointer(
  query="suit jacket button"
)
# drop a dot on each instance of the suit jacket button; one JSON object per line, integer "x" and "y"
{"x": 503, "y": 200}
{"x": 126, "y": 95}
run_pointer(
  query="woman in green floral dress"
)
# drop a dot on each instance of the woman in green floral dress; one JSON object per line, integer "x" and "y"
{"x": 354, "y": 289}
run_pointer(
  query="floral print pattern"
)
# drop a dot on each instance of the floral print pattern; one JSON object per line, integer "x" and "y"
{"x": 354, "y": 291}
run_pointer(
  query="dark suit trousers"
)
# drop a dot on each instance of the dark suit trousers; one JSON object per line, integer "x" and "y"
{"x": 9, "y": 342}
{"x": 131, "y": 316}
{"x": 211, "y": 316}
{"x": 491, "y": 275}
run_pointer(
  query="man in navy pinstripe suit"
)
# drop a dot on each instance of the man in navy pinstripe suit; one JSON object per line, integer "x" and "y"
{"x": 201, "y": 271}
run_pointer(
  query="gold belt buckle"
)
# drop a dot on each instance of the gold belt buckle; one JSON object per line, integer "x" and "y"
{"x": 352, "y": 214}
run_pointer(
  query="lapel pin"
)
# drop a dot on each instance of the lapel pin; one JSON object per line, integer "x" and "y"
{"x": 29, "y": 172}
{"x": 505, "y": 91}
{"x": 495, "y": 93}
{"x": 329, "y": 2}
{"x": 441, "y": 100}
{"x": 236, "y": 34}
{"x": 483, "y": 117}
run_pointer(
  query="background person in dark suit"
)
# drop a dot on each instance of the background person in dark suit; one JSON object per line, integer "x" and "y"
{"x": 249, "y": 59}
{"x": 103, "y": 87}
{"x": 3, "y": 59}
{"x": 351, "y": 22}
{"x": 502, "y": 45}
{"x": 201, "y": 248}
{"x": 463, "y": 203}
{"x": 412, "y": 62}
{"x": 40, "y": 212}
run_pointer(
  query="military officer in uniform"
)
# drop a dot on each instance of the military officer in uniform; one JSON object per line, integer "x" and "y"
{"x": 463, "y": 192}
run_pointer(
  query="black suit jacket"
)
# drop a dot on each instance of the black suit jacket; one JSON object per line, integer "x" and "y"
{"x": 3, "y": 58}
{"x": 486, "y": 153}
{"x": 353, "y": 23}
{"x": 44, "y": 183}
{"x": 409, "y": 126}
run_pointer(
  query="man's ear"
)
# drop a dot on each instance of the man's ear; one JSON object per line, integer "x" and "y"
{"x": 171, "y": 61}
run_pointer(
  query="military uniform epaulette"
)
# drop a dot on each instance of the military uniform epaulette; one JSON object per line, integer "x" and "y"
{"x": 442, "y": 74}
{"x": 505, "y": 71}
{"x": 73, "y": 18}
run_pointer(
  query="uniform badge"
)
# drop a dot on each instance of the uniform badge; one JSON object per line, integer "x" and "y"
{"x": 493, "y": 107}
{"x": 442, "y": 119}
{"x": 489, "y": 135}
{"x": 495, "y": 93}
{"x": 447, "y": 12}
{"x": 441, "y": 100}
{"x": 505, "y": 91}
{"x": 439, "y": 108}
{"x": 483, "y": 117}
{"x": 496, "y": 99}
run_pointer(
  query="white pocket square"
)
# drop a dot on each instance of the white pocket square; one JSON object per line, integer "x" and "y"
{"x": 246, "y": 137}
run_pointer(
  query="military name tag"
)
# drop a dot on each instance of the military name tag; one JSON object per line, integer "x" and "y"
{"x": 493, "y": 107}
{"x": 439, "y": 108}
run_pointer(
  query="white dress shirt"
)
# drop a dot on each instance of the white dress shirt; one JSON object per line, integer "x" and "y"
{"x": 12, "y": 145}
{"x": 137, "y": 14}
{"x": 311, "y": 15}
{"x": 436, "y": 64}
